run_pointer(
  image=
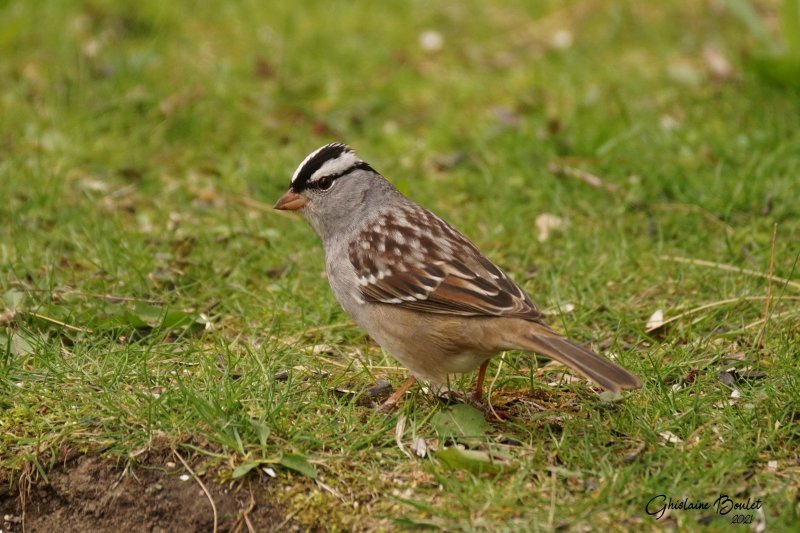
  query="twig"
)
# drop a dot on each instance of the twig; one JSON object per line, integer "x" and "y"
{"x": 286, "y": 520}
{"x": 717, "y": 304}
{"x": 244, "y": 515}
{"x": 384, "y": 368}
{"x": 250, "y": 527}
{"x": 110, "y": 297}
{"x": 729, "y": 268}
{"x": 202, "y": 486}
{"x": 24, "y": 487}
{"x": 760, "y": 321}
{"x": 357, "y": 360}
{"x": 328, "y": 488}
{"x": 491, "y": 387}
{"x": 338, "y": 325}
{"x": 581, "y": 175}
{"x": 760, "y": 338}
{"x": 96, "y": 295}
{"x": 59, "y": 323}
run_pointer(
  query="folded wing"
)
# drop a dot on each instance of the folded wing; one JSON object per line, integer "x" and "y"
{"x": 439, "y": 271}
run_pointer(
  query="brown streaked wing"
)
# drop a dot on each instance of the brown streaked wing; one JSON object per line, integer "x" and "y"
{"x": 439, "y": 272}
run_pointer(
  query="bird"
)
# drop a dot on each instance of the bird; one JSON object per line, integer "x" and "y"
{"x": 421, "y": 289}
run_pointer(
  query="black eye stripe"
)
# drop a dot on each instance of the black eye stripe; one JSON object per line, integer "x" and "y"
{"x": 330, "y": 178}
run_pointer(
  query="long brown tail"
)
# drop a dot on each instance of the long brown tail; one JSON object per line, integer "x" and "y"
{"x": 599, "y": 369}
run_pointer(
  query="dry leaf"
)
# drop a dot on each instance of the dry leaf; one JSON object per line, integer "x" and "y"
{"x": 565, "y": 379}
{"x": 633, "y": 454}
{"x": 323, "y": 349}
{"x": 655, "y": 321}
{"x": 735, "y": 356}
{"x": 560, "y": 310}
{"x": 581, "y": 175}
{"x": 419, "y": 446}
{"x": 547, "y": 223}
{"x": 562, "y": 39}
{"x": 431, "y": 41}
{"x": 717, "y": 64}
{"x": 670, "y": 437}
{"x": 399, "y": 430}
{"x": 668, "y": 123}
{"x": 747, "y": 373}
{"x": 6, "y": 317}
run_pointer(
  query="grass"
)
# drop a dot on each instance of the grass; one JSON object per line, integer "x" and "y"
{"x": 154, "y": 301}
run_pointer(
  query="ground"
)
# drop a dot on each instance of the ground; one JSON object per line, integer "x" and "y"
{"x": 626, "y": 162}
{"x": 86, "y": 493}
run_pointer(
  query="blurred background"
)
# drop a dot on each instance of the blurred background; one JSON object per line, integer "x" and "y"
{"x": 148, "y": 119}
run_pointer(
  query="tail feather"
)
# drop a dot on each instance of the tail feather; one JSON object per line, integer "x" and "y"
{"x": 598, "y": 369}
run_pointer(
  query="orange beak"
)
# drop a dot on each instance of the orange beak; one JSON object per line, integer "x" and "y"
{"x": 290, "y": 201}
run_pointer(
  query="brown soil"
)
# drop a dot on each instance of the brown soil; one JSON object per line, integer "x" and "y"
{"x": 92, "y": 494}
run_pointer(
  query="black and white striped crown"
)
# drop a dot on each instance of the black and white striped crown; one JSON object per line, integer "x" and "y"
{"x": 330, "y": 161}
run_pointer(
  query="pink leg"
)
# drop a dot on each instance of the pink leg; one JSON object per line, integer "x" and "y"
{"x": 477, "y": 395}
{"x": 394, "y": 399}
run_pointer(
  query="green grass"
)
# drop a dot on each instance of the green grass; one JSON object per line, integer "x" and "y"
{"x": 140, "y": 148}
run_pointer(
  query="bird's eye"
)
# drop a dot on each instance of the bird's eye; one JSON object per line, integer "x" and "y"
{"x": 325, "y": 183}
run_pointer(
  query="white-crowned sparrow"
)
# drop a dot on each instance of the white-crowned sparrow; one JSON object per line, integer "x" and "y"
{"x": 420, "y": 288}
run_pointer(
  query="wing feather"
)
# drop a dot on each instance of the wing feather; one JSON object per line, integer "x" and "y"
{"x": 439, "y": 272}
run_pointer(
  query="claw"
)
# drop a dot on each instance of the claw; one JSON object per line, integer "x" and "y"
{"x": 391, "y": 403}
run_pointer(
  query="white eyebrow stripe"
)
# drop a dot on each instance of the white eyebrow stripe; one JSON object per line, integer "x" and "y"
{"x": 336, "y": 166}
{"x": 308, "y": 158}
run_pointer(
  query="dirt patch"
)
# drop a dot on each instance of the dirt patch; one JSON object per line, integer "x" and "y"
{"x": 92, "y": 494}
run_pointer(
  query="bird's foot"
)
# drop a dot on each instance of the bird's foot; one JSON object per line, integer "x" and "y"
{"x": 391, "y": 403}
{"x": 388, "y": 406}
{"x": 469, "y": 398}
